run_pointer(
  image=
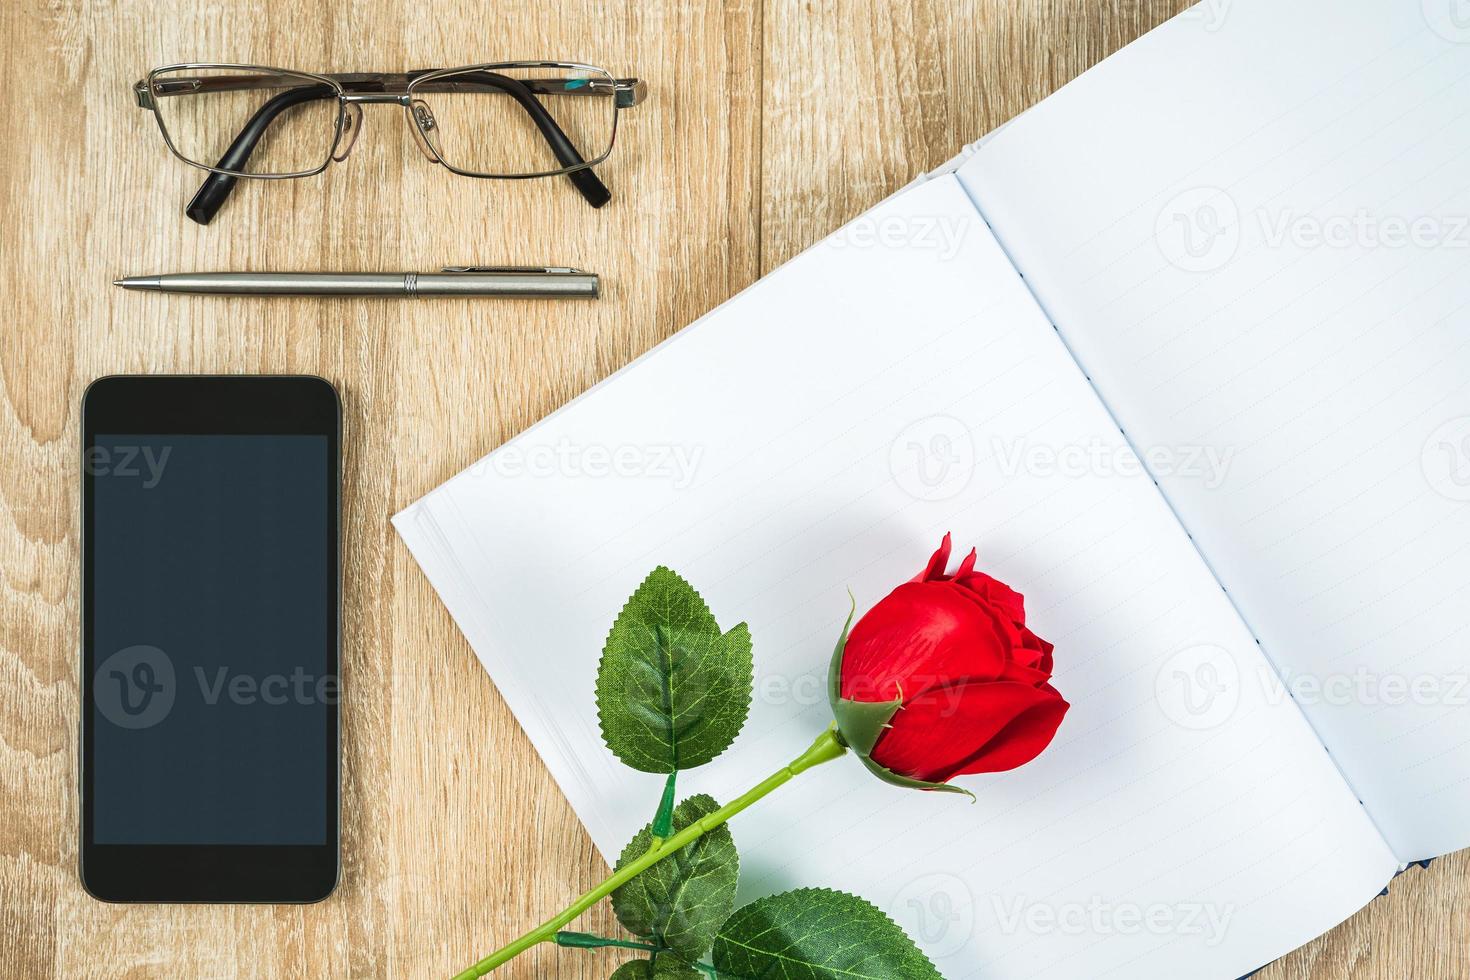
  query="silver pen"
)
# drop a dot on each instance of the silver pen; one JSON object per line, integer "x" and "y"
{"x": 455, "y": 280}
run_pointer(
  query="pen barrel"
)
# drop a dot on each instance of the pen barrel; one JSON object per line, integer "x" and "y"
{"x": 286, "y": 283}
{"x": 508, "y": 283}
{"x": 571, "y": 284}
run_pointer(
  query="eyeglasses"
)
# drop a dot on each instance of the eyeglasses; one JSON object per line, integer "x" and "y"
{"x": 509, "y": 120}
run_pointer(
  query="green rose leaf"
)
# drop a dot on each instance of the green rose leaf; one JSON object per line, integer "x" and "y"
{"x": 672, "y": 690}
{"x": 817, "y": 934}
{"x": 667, "y": 968}
{"x": 681, "y": 901}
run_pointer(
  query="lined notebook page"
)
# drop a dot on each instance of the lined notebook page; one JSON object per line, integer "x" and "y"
{"x": 1254, "y": 233}
{"x": 820, "y": 432}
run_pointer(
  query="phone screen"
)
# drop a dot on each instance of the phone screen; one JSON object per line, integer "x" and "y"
{"x": 210, "y": 651}
{"x": 211, "y": 619}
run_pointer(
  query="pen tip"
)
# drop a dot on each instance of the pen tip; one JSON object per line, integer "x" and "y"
{"x": 119, "y": 282}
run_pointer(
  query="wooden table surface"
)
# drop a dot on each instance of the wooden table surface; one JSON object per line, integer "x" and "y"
{"x": 768, "y": 124}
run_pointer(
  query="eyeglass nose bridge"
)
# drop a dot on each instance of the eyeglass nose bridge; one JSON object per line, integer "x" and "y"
{"x": 396, "y": 98}
{"x": 352, "y": 103}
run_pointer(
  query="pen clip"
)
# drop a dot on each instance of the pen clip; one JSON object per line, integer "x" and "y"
{"x": 540, "y": 270}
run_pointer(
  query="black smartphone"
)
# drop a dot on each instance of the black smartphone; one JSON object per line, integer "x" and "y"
{"x": 210, "y": 639}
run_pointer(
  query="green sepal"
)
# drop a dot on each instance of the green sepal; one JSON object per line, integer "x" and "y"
{"x": 834, "y": 669}
{"x": 861, "y": 723}
{"x": 894, "y": 779}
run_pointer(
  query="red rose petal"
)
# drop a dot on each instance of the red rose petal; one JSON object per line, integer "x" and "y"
{"x": 937, "y": 562}
{"x": 1005, "y": 598}
{"x": 1015, "y": 635}
{"x": 920, "y": 635}
{"x": 1026, "y": 737}
{"x": 1023, "y": 674}
{"x": 978, "y": 726}
{"x": 1046, "y": 649}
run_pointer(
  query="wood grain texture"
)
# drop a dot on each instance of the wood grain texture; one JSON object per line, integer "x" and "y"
{"x": 768, "y": 124}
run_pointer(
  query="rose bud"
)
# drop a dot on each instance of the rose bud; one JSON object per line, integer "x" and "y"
{"x": 942, "y": 678}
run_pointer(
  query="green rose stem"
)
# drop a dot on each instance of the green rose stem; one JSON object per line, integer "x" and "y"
{"x": 826, "y": 748}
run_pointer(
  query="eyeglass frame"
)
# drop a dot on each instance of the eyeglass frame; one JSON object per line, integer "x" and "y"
{"x": 626, "y": 93}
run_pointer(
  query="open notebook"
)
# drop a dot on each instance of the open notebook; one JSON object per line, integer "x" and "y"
{"x": 1237, "y": 252}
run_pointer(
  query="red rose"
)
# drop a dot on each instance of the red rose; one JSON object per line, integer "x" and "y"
{"x": 943, "y": 678}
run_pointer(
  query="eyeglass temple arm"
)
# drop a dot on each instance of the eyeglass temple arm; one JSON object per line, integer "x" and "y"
{"x": 628, "y": 91}
{"x": 217, "y": 187}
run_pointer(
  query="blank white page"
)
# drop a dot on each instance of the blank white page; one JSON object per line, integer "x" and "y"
{"x": 1252, "y": 227}
{"x": 822, "y": 431}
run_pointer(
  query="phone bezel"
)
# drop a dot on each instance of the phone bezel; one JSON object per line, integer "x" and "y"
{"x": 226, "y": 405}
